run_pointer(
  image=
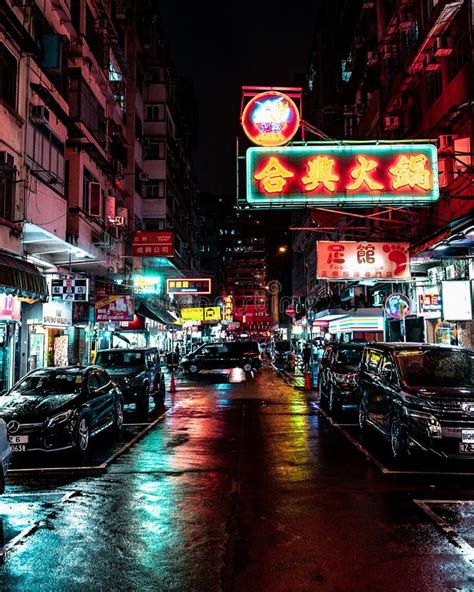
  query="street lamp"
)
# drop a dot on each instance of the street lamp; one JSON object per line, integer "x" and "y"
{"x": 283, "y": 249}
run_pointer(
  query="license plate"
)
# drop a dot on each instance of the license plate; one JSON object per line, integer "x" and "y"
{"x": 18, "y": 448}
{"x": 18, "y": 439}
{"x": 467, "y": 436}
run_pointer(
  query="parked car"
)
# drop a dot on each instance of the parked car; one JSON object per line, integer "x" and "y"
{"x": 419, "y": 396}
{"x": 54, "y": 409}
{"x": 337, "y": 374}
{"x": 5, "y": 454}
{"x": 221, "y": 355}
{"x": 138, "y": 374}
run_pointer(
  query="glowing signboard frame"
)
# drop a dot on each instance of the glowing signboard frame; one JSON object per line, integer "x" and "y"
{"x": 188, "y": 285}
{"x": 355, "y": 174}
{"x": 270, "y": 118}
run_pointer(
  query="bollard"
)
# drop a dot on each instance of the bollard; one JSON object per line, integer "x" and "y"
{"x": 307, "y": 381}
{"x": 172, "y": 388}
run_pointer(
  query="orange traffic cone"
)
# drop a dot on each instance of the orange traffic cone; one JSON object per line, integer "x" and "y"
{"x": 307, "y": 381}
{"x": 172, "y": 388}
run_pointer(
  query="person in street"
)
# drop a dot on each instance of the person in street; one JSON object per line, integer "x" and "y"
{"x": 306, "y": 357}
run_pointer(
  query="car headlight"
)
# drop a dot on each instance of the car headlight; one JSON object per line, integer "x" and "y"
{"x": 60, "y": 418}
{"x": 345, "y": 379}
{"x": 433, "y": 427}
{"x": 184, "y": 359}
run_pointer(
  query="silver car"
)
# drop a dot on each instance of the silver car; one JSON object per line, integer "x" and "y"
{"x": 5, "y": 454}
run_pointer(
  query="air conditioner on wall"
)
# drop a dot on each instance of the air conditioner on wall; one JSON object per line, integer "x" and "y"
{"x": 443, "y": 47}
{"x": 39, "y": 114}
{"x": 445, "y": 141}
{"x": 391, "y": 123}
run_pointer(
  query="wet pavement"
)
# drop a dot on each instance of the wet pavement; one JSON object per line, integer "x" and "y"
{"x": 238, "y": 484}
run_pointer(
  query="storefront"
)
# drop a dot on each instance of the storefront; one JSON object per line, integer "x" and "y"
{"x": 50, "y": 337}
{"x": 10, "y": 312}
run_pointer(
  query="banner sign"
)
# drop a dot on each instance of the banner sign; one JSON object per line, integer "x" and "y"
{"x": 429, "y": 302}
{"x": 208, "y": 313}
{"x": 152, "y": 244}
{"x": 115, "y": 308}
{"x": 70, "y": 289}
{"x": 353, "y": 260}
{"x": 188, "y": 286}
{"x": 355, "y": 174}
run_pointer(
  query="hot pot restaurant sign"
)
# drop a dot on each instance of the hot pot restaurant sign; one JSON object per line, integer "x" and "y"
{"x": 270, "y": 119}
{"x": 353, "y": 260}
{"x": 342, "y": 175}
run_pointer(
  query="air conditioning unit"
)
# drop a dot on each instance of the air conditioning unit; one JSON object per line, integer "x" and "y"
{"x": 406, "y": 20}
{"x": 445, "y": 142}
{"x": 390, "y": 51}
{"x": 372, "y": 58}
{"x": 391, "y": 123}
{"x": 95, "y": 200}
{"x": 123, "y": 213}
{"x": 39, "y": 114}
{"x": 443, "y": 47}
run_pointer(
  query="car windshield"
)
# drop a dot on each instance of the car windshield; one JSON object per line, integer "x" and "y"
{"x": 119, "y": 358}
{"x": 436, "y": 367}
{"x": 47, "y": 382}
{"x": 349, "y": 356}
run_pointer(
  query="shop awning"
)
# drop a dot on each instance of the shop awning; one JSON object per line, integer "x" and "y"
{"x": 157, "y": 313}
{"x": 20, "y": 278}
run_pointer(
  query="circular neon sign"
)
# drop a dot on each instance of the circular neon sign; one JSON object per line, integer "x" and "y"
{"x": 397, "y": 305}
{"x": 270, "y": 119}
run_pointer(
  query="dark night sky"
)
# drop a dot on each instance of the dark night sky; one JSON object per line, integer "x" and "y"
{"x": 221, "y": 46}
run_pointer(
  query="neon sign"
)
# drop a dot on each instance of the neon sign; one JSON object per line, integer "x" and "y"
{"x": 357, "y": 174}
{"x": 270, "y": 119}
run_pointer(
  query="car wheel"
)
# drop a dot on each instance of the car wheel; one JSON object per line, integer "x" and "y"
{"x": 398, "y": 440}
{"x": 333, "y": 404}
{"x": 193, "y": 369}
{"x": 143, "y": 402}
{"x": 160, "y": 396}
{"x": 247, "y": 368}
{"x": 362, "y": 417}
{"x": 82, "y": 436}
{"x": 118, "y": 417}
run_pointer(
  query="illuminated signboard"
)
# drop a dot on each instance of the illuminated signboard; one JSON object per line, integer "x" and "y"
{"x": 270, "y": 119}
{"x": 147, "y": 243}
{"x": 397, "y": 305}
{"x": 188, "y": 286}
{"x": 357, "y": 260}
{"x": 429, "y": 302}
{"x": 342, "y": 174}
{"x": 208, "y": 313}
{"x": 147, "y": 284}
{"x": 457, "y": 300}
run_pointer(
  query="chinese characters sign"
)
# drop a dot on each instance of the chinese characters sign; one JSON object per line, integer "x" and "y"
{"x": 70, "y": 289}
{"x": 208, "y": 313}
{"x": 270, "y": 119}
{"x": 349, "y": 174}
{"x": 429, "y": 301}
{"x": 188, "y": 286}
{"x": 152, "y": 244}
{"x": 352, "y": 260}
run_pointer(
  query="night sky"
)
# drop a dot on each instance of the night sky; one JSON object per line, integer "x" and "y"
{"x": 260, "y": 43}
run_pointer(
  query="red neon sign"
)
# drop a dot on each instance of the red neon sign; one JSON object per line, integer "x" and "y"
{"x": 270, "y": 119}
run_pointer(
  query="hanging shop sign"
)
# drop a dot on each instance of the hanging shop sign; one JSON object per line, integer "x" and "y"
{"x": 208, "y": 313}
{"x": 10, "y": 308}
{"x": 70, "y": 289}
{"x": 354, "y": 174}
{"x": 270, "y": 119}
{"x": 152, "y": 244}
{"x": 136, "y": 324}
{"x": 353, "y": 260}
{"x": 290, "y": 310}
{"x": 228, "y": 308}
{"x": 188, "y": 286}
{"x": 397, "y": 305}
{"x": 429, "y": 302}
{"x": 457, "y": 300}
{"x": 147, "y": 285}
{"x": 115, "y": 308}
{"x": 57, "y": 314}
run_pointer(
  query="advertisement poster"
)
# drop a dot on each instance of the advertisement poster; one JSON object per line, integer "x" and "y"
{"x": 115, "y": 308}
{"x": 353, "y": 260}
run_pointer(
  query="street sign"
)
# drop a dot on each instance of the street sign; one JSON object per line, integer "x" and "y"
{"x": 152, "y": 244}
{"x": 208, "y": 313}
{"x": 290, "y": 310}
{"x": 397, "y": 305}
{"x": 355, "y": 174}
{"x": 188, "y": 286}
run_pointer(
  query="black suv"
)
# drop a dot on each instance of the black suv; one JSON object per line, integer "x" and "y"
{"x": 221, "y": 355}
{"x": 337, "y": 375}
{"x": 138, "y": 373}
{"x": 419, "y": 396}
{"x": 59, "y": 408}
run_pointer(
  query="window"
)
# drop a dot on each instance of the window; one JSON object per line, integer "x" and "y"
{"x": 155, "y": 112}
{"x": 155, "y": 224}
{"x": 154, "y": 148}
{"x": 155, "y": 75}
{"x": 7, "y": 186}
{"x": 46, "y": 151}
{"x": 85, "y": 107}
{"x": 87, "y": 178}
{"x": 155, "y": 189}
{"x": 434, "y": 86}
{"x": 459, "y": 57}
{"x": 138, "y": 128}
{"x": 372, "y": 360}
{"x": 8, "y": 72}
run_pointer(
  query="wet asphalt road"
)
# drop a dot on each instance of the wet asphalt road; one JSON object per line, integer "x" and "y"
{"x": 242, "y": 484}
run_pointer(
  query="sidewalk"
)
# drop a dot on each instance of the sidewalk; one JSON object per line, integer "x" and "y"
{"x": 296, "y": 379}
